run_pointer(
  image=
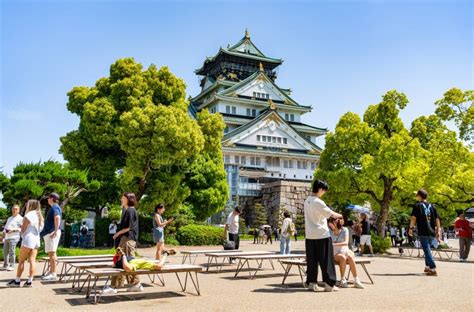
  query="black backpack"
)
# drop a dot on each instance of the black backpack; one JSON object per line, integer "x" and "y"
{"x": 84, "y": 230}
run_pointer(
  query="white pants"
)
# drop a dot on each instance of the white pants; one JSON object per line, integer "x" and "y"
{"x": 51, "y": 245}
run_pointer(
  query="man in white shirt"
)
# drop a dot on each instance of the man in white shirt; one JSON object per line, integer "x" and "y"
{"x": 12, "y": 237}
{"x": 319, "y": 249}
{"x": 232, "y": 228}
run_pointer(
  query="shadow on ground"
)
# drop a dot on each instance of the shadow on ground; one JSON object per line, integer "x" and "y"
{"x": 125, "y": 297}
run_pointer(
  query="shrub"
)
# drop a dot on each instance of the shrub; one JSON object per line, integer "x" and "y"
{"x": 102, "y": 231}
{"x": 194, "y": 235}
{"x": 379, "y": 244}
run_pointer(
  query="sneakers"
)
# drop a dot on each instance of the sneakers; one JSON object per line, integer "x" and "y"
{"x": 432, "y": 273}
{"x": 10, "y": 268}
{"x": 109, "y": 290}
{"x": 13, "y": 283}
{"x": 50, "y": 277}
{"x": 135, "y": 288}
{"x": 427, "y": 269}
{"x": 328, "y": 288}
{"x": 170, "y": 252}
{"x": 343, "y": 283}
{"x": 358, "y": 284}
{"x": 28, "y": 284}
{"x": 312, "y": 286}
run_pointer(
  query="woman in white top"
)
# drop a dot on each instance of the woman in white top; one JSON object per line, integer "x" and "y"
{"x": 30, "y": 232}
{"x": 286, "y": 231}
{"x": 342, "y": 254}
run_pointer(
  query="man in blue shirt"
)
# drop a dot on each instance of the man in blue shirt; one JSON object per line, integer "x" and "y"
{"x": 51, "y": 235}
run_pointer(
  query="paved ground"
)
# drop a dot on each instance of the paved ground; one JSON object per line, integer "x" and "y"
{"x": 399, "y": 286}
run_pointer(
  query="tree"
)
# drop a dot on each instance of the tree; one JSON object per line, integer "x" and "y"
{"x": 207, "y": 178}
{"x": 458, "y": 106}
{"x": 35, "y": 180}
{"x": 373, "y": 159}
{"x": 260, "y": 215}
{"x": 135, "y": 135}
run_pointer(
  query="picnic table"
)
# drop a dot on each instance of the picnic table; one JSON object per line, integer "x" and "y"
{"x": 188, "y": 254}
{"x": 245, "y": 259}
{"x": 300, "y": 264}
{"x": 214, "y": 256}
{"x": 96, "y": 273}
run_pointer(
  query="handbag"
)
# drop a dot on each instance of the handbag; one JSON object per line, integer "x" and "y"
{"x": 228, "y": 244}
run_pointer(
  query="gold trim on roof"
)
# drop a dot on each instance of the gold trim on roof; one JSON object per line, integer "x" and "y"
{"x": 247, "y": 34}
{"x": 272, "y": 104}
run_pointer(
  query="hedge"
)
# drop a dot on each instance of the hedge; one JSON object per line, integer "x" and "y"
{"x": 379, "y": 244}
{"x": 194, "y": 235}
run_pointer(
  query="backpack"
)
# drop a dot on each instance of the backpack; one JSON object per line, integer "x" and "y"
{"x": 291, "y": 228}
{"x": 84, "y": 230}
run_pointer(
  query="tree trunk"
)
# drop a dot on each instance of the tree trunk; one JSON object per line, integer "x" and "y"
{"x": 385, "y": 205}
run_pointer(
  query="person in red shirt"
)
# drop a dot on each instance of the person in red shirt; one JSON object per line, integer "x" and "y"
{"x": 465, "y": 235}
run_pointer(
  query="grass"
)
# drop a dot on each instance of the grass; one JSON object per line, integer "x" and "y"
{"x": 62, "y": 251}
{"x": 250, "y": 237}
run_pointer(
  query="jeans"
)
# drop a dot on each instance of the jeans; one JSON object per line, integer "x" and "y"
{"x": 285, "y": 244}
{"x": 426, "y": 245}
{"x": 9, "y": 252}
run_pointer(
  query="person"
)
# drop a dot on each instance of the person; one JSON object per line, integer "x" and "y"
{"x": 296, "y": 235}
{"x": 127, "y": 236}
{"x": 112, "y": 231}
{"x": 426, "y": 218}
{"x": 255, "y": 235}
{"x": 365, "y": 237}
{"x": 52, "y": 234}
{"x": 159, "y": 229}
{"x": 268, "y": 232}
{"x": 231, "y": 229}
{"x": 275, "y": 232}
{"x": 83, "y": 235}
{"x": 130, "y": 263}
{"x": 319, "y": 251}
{"x": 357, "y": 232}
{"x": 30, "y": 233}
{"x": 286, "y": 230}
{"x": 342, "y": 254}
{"x": 393, "y": 235}
{"x": 11, "y": 231}
{"x": 465, "y": 236}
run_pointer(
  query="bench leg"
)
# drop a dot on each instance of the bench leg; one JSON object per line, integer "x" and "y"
{"x": 185, "y": 256}
{"x": 102, "y": 292}
{"x": 88, "y": 279}
{"x": 271, "y": 263}
{"x": 219, "y": 268}
{"x": 239, "y": 267}
{"x": 209, "y": 261}
{"x": 367, "y": 272}
{"x": 301, "y": 270}
{"x": 194, "y": 261}
{"x": 195, "y": 282}
{"x": 287, "y": 271}
{"x": 180, "y": 284}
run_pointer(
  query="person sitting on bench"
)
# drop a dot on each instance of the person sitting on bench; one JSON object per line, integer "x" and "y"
{"x": 342, "y": 253}
{"x": 130, "y": 264}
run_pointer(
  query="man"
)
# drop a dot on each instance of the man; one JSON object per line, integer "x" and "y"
{"x": 465, "y": 235}
{"x": 11, "y": 238}
{"x": 232, "y": 228}
{"x": 83, "y": 237}
{"x": 319, "y": 249}
{"x": 365, "y": 238}
{"x": 426, "y": 218}
{"x": 52, "y": 234}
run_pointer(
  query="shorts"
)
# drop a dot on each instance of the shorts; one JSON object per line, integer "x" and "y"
{"x": 142, "y": 264}
{"x": 158, "y": 236}
{"x": 31, "y": 241}
{"x": 51, "y": 245}
{"x": 365, "y": 240}
{"x": 345, "y": 251}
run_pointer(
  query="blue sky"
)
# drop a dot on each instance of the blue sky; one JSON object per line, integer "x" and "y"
{"x": 338, "y": 56}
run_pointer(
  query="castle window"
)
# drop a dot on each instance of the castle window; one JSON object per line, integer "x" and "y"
{"x": 285, "y": 141}
{"x": 279, "y": 140}
{"x": 234, "y": 110}
{"x": 236, "y": 159}
{"x": 257, "y": 161}
{"x": 258, "y": 138}
{"x": 254, "y": 112}
{"x": 290, "y": 163}
{"x": 227, "y": 109}
{"x": 292, "y": 117}
{"x": 285, "y": 164}
{"x": 227, "y": 159}
{"x": 243, "y": 161}
{"x": 287, "y": 117}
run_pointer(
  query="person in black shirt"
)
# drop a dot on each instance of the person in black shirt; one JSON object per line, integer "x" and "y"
{"x": 426, "y": 218}
{"x": 365, "y": 237}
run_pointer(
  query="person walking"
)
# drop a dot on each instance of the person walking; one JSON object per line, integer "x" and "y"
{"x": 112, "y": 231}
{"x": 393, "y": 235}
{"x": 83, "y": 235}
{"x": 426, "y": 218}
{"x": 51, "y": 235}
{"x": 268, "y": 232}
{"x": 296, "y": 235}
{"x": 30, "y": 233}
{"x": 318, "y": 243}
{"x": 11, "y": 231}
{"x": 342, "y": 253}
{"x": 127, "y": 236}
{"x": 159, "y": 230}
{"x": 464, "y": 234}
{"x": 255, "y": 235}
{"x": 276, "y": 233}
{"x": 231, "y": 229}
{"x": 287, "y": 230}
{"x": 365, "y": 238}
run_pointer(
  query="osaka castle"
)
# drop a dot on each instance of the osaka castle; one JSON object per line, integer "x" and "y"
{"x": 269, "y": 154}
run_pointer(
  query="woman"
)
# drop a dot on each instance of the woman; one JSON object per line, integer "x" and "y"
{"x": 12, "y": 237}
{"x": 30, "y": 232}
{"x": 130, "y": 264}
{"x": 159, "y": 229}
{"x": 285, "y": 236}
{"x": 342, "y": 253}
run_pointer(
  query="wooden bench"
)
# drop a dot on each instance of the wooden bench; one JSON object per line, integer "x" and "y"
{"x": 188, "y": 254}
{"x": 302, "y": 263}
{"x": 213, "y": 256}
{"x": 95, "y": 274}
{"x": 59, "y": 259}
{"x": 244, "y": 260}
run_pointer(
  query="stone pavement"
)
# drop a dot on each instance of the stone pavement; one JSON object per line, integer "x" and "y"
{"x": 400, "y": 285}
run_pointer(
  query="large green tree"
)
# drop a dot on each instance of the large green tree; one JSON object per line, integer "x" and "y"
{"x": 135, "y": 134}
{"x": 374, "y": 159}
{"x": 34, "y": 180}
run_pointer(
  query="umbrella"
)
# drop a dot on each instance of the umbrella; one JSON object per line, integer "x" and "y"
{"x": 358, "y": 208}
{"x": 266, "y": 226}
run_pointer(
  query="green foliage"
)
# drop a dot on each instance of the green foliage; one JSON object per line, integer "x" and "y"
{"x": 135, "y": 134}
{"x": 196, "y": 235}
{"x": 261, "y": 217}
{"x": 145, "y": 223}
{"x": 62, "y": 251}
{"x": 102, "y": 231}
{"x": 299, "y": 224}
{"x": 458, "y": 106}
{"x": 34, "y": 180}
{"x": 379, "y": 244}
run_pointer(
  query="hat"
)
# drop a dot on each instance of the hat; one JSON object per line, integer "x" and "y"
{"x": 54, "y": 196}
